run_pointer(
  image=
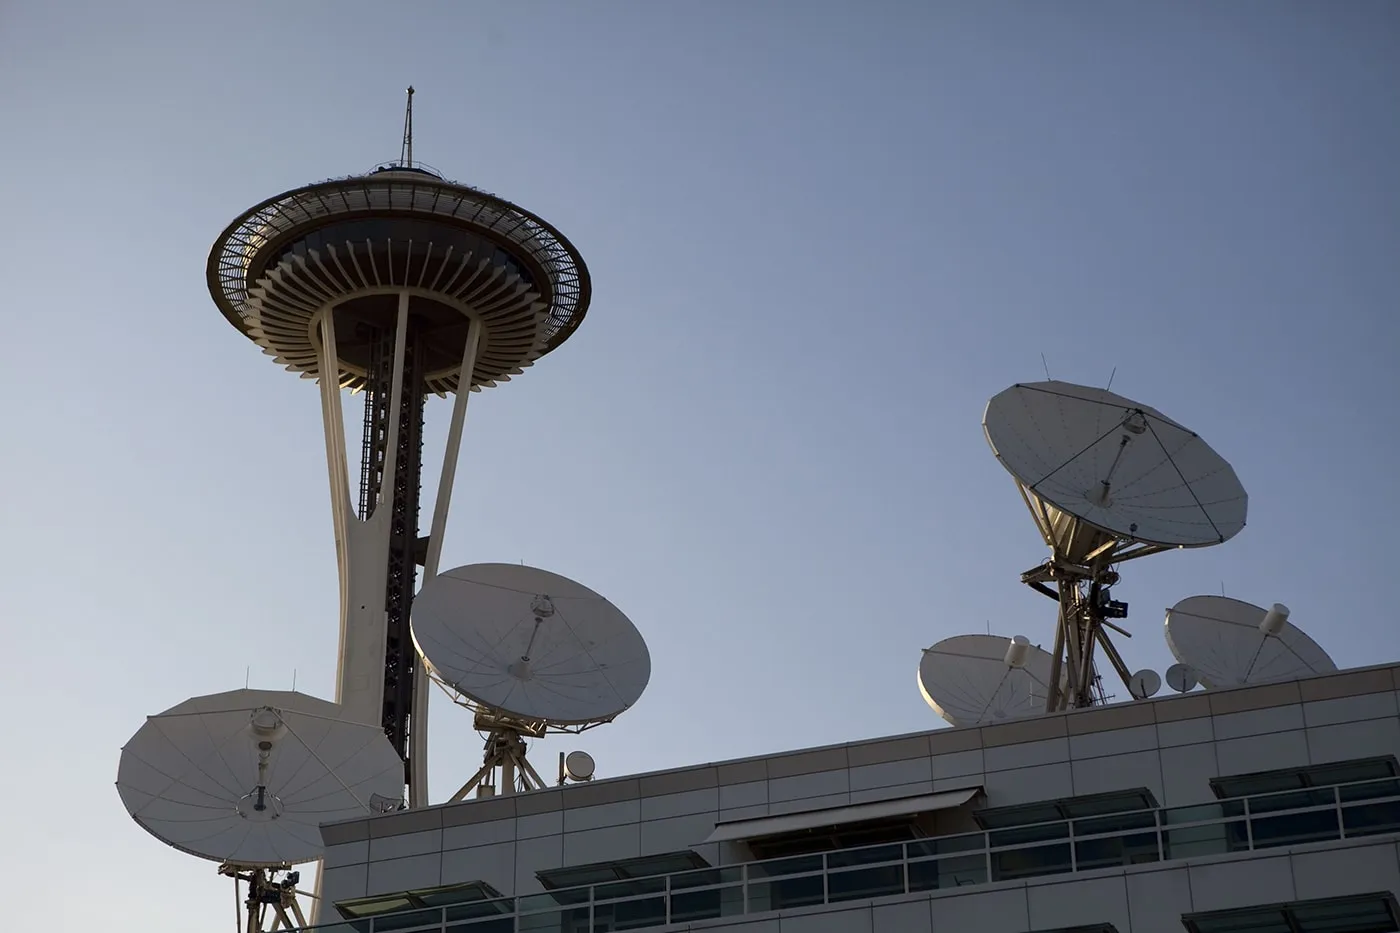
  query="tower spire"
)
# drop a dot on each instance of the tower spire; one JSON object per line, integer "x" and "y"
{"x": 406, "y": 151}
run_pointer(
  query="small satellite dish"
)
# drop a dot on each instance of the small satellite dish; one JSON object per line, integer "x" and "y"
{"x": 1117, "y": 465}
{"x": 1229, "y": 642}
{"x": 975, "y": 679}
{"x": 248, "y": 777}
{"x": 530, "y": 643}
{"x": 1144, "y": 683}
{"x": 1182, "y": 678}
{"x": 579, "y": 766}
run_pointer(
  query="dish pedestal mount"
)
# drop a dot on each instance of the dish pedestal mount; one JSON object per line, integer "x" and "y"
{"x": 272, "y": 896}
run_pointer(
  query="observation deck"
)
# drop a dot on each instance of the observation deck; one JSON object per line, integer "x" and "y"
{"x": 354, "y": 245}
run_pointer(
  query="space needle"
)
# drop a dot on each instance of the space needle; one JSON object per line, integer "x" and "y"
{"x": 395, "y": 285}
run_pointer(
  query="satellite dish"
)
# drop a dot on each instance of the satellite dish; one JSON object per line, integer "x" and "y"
{"x": 1229, "y": 642}
{"x": 1117, "y": 465}
{"x": 247, "y": 777}
{"x": 579, "y": 766}
{"x": 1106, "y": 480}
{"x": 1144, "y": 683}
{"x": 974, "y": 679}
{"x": 529, "y": 652}
{"x": 1182, "y": 678}
{"x": 530, "y": 643}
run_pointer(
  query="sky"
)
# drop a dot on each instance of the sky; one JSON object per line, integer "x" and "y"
{"x": 821, "y": 236}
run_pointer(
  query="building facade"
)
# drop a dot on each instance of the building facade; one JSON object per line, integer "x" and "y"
{"x": 1271, "y": 808}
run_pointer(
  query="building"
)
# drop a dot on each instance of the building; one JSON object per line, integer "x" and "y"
{"x": 1272, "y": 807}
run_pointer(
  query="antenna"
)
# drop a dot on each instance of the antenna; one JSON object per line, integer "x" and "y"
{"x": 1045, "y": 366}
{"x": 246, "y": 779}
{"x": 530, "y": 653}
{"x": 974, "y": 679}
{"x": 1229, "y": 642}
{"x": 1106, "y": 480}
{"x": 406, "y": 151}
{"x": 1110, "y": 379}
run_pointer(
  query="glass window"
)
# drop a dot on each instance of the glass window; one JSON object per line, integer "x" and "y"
{"x": 1117, "y": 802}
{"x": 561, "y": 898}
{"x": 1366, "y": 913}
{"x": 629, "y": 915}
{"x": 354, "y": 926}
{"x": 1369, "y": 791}
{"x": 457, "y": 894}
{"x": 1250, "y": 784}
{"x": 598, "y": 872}
{"x": 369, "y": 906}
{"x": 409, "y": 920}
{"x": 773, "y": 868}
{"x": 853, "y": 884}
{"x": 943, "y": 845}
{"x": 1340, "y": 772}
{"x": 1011, "y": 864}
{"x": 1018, "y": 816}
{"x": 570, "y": 920}
{"x": 706, "y": 877}
{"x": 1368, "y": 819}
{"x": 499, "y": 925}
{"x": 687, "y": 906}
{"x": 788, "y": 892}
{"x": 471, "y": 891}
{"x": 1041, "y": 832}
{"x": 1374, "y": 914}
{"x": 1297, "y": 800}
{"x": 948, "y": 872}
{"x": 1214, "y": 839}
{"x": 872, "y": 855}
{"x": 1349, "y": 772}
{"x": 1146, "y": 819}
{"x": 1225, "y": 809}
{"x": 1113, "y": 851}
{"x": 1294, "y": 828}
{"x": 1069, "y": 808}
{"x": 479, "y": 909}
{"x": 633, "y": 888}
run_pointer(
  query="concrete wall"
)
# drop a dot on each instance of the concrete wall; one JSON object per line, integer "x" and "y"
{"x": 1173, "y": 745}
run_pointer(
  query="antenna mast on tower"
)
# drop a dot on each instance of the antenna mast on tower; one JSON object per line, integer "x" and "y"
{"x": 406, "y": 150}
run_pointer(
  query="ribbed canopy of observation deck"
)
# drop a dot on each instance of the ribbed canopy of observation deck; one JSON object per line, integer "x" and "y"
{"x": 337, "y": 243}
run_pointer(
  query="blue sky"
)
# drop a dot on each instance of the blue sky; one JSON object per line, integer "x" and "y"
{"x": 819, "y": 243}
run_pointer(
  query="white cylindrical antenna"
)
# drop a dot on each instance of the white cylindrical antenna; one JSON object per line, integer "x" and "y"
{"x": 267, "y": 723}
{"x": 1017, "y": 651}
{"x": 1274, "y": 620}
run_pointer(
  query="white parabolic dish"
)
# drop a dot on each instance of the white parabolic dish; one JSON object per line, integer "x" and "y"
{"x": 530, "y": 643}
{"x": 1220, "y": 639}
{"x": 967, "y": 681}
{"x": 1168, "y": 487}
{"x": 191, "y": 776}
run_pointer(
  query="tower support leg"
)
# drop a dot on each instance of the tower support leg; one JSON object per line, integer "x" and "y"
{"x": 418, "y": 734}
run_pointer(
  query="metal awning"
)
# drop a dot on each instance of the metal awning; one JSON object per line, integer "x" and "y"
{"x": 840, "y": 816}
